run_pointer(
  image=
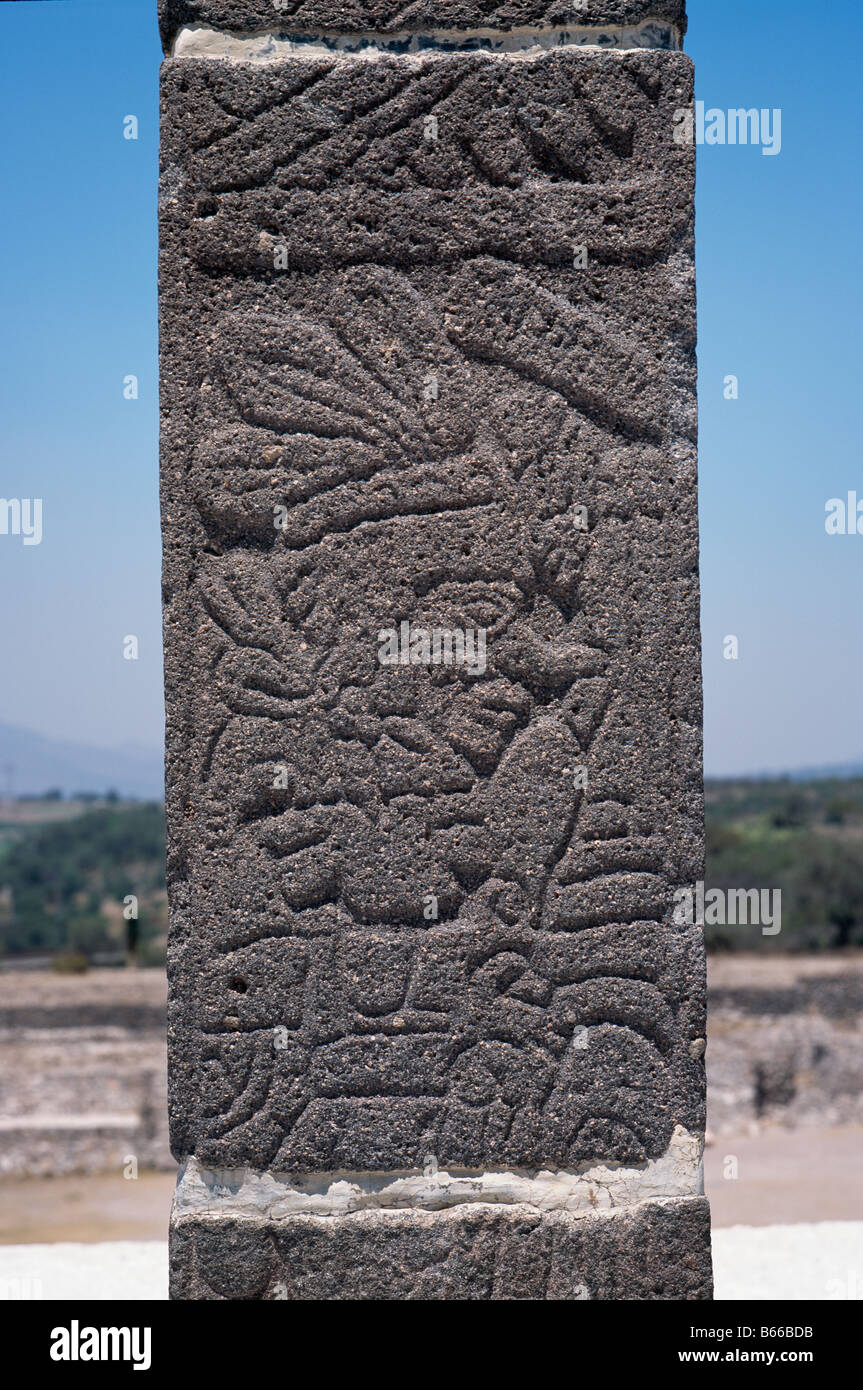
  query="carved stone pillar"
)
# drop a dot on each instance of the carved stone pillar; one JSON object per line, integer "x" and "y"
{"x": 432, "y": 650}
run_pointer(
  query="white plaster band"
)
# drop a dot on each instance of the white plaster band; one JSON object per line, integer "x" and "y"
{"x": 604, "y": 1188}
{"x": 197, "y": 41}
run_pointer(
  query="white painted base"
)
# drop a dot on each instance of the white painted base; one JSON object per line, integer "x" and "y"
{"x": 822, "y": 1262}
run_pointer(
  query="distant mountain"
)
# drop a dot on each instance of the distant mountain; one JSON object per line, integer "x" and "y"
{"x": 827, "y": 770}
{"x": 31, "y": 764}
{"x": 823, "y": 773}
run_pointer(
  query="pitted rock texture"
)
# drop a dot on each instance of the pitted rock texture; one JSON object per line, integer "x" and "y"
{"x": 321, "y": 804}
{"x": 427, "y": 16}
{"x": 661, "y": 1251}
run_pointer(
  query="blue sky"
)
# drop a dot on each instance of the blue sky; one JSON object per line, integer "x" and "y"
{"x": 779, "y": 307}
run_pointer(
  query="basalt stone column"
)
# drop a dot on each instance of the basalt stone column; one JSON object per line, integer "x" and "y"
{"x": 436, "y": 1017}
